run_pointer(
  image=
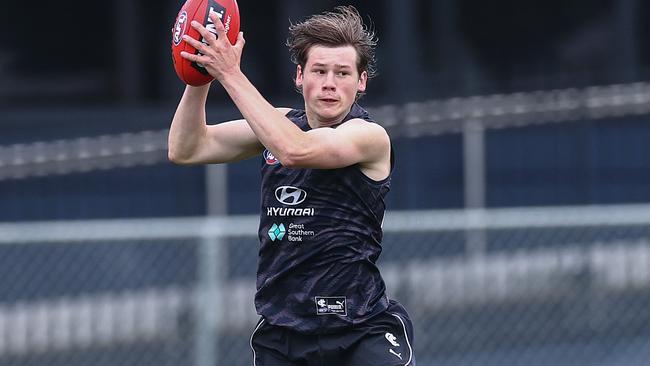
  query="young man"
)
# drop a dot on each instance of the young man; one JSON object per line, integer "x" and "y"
{"x": 325, "y": 172}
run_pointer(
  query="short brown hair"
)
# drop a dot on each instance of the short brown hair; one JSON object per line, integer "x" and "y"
{"x": 342, "y": 27}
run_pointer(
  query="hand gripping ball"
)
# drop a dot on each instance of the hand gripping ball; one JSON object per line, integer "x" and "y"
{"x": 189, "y": 72}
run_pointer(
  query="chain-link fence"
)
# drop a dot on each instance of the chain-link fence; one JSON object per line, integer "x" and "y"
{"x": 556, "y": 286}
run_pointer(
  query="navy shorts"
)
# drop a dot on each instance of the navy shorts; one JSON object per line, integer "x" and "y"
{"x": 384, "y": 340}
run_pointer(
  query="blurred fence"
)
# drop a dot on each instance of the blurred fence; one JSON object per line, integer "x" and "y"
{"x": 434, "y": 117}
{"x": 534, "y": 286}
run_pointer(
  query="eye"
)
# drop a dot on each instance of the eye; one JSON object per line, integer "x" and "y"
{"x": 343, "y": 73}
{"x": 319, "y": 71}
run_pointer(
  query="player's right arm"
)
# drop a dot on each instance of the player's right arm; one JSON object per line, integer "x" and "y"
{"x": 192, "y": 141}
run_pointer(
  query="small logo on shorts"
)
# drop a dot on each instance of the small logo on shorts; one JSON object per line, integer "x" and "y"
{"x": 392, "y": 339}
{"x": 331, "y": 305}
{"x": 395, "y": 353}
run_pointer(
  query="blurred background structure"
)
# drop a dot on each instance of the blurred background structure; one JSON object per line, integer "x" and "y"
{"x": 519, "y": 224}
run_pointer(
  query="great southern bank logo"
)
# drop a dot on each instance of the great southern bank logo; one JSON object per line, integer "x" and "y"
{"x": 290, "y": 196}
{"x": 276, "y": 232}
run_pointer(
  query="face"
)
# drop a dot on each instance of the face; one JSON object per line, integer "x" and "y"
{"x": 330, "y": 82}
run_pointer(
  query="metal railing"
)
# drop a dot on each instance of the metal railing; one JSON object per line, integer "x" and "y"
{"x": 409, "y": 120}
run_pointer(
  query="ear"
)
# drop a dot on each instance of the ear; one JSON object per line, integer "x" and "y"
{"x": 298, "y": 76}
{"x": 363, "y": 81}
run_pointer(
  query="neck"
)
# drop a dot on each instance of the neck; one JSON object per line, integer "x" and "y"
{"x": 316, "y": 121}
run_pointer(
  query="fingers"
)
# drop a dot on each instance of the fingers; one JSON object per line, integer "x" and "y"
{"x": 215, "y": 52}
{"x": 194, "y": 57}
{"x": 198, "y": 45}
{"x": 240, "y": 41}
{"x": 218, "y": 25}
{"x": 208, "y": 36}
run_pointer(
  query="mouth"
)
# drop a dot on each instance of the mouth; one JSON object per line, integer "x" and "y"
{"x": 328, "y": 100}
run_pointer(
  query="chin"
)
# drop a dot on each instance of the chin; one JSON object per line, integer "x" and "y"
{"x": 325, "y": 110}
{"x": 330, "y": 114}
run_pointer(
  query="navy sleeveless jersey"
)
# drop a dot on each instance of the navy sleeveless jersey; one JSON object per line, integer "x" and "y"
{"x": 320, "y": 235}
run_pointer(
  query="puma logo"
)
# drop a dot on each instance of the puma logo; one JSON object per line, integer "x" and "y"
{"x": 392, "y": 339}
{"x": 395, "y": 353}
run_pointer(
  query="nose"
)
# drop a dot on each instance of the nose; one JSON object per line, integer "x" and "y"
{"x": 329, "y": 82}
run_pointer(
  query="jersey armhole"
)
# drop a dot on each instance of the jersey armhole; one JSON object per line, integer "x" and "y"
{"x": 390, "y": 172}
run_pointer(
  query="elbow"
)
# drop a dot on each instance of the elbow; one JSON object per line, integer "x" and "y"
{"x": 173, "y": 158}
{"x": 290, "y": 163}
{"x": 181, "y": 154}
{"x": 176, "y": 158}
{"x": 297, "y": 152}
{"x": 292, "y": 158}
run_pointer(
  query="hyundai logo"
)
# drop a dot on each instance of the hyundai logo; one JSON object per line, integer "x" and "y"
{"x": 290, "y": 195}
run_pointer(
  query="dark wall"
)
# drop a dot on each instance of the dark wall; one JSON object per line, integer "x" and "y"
{"x": 119, "y": 51}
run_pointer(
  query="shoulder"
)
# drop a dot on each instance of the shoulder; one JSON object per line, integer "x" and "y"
{"x": 373, "y": 144}
{"x": 369, "y": 138}
{"x": 365, "y": 128}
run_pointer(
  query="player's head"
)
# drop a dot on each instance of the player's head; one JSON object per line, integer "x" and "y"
{"x": 341, "y": 27}
{"x": 334, "y": 54}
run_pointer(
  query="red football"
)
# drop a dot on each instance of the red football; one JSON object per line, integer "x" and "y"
{"x": 193, "y": 73}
